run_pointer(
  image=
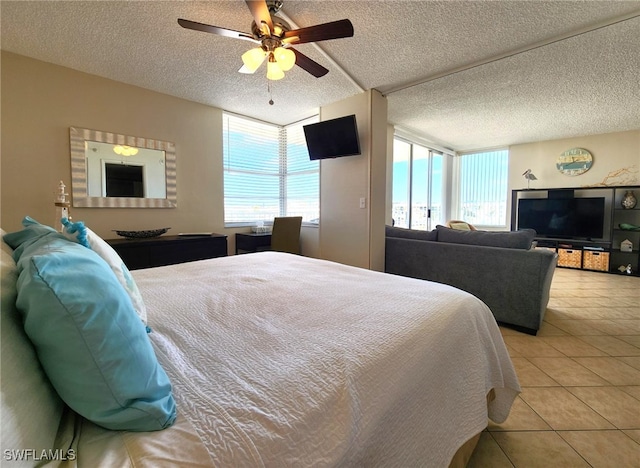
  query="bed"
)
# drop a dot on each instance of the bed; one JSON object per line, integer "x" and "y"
{"x": 281, "y": 360}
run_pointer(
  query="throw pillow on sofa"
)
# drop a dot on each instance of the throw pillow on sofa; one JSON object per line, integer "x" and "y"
{"x": 506, "y": 239}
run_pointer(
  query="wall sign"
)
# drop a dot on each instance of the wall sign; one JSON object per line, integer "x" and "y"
{"x": 574, "y": 161}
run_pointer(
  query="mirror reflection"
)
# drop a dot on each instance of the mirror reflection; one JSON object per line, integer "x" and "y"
{"x": 118, "y": 171}
{"x": 124, "y": 171}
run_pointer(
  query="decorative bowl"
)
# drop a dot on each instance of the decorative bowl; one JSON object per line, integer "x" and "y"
{"x": 142, "y": 234}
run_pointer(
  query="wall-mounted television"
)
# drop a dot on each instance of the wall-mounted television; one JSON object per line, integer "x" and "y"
{"x": 124, "y": 180}
{"x": 563, "y": 218}
{"x": 333, "y": 138}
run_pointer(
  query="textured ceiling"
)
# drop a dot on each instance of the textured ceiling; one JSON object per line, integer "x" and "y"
{"x": 463, "y": 74}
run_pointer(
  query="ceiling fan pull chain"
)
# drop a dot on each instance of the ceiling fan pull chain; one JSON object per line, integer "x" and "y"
{"x": 269, "y": 91}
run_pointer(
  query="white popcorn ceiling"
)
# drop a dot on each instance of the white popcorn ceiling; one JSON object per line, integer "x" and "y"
{"x": 475, "y": 83}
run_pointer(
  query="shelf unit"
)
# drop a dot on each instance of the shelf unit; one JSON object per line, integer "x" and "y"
{"x": 597, "y": 255}
{"x": 625, "y": 216}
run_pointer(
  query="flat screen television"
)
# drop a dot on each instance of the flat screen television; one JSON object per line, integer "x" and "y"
{"x": 563, "y": 218}
{"x": 333, "y": 138}
{"x": 123, "y": 180}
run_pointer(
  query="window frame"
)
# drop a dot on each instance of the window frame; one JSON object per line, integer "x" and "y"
{"x": 432, "y": 152}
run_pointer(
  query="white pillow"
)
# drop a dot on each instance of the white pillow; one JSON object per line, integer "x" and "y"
{"x": 31, "y": 410}
{"x": 78, "y": 232}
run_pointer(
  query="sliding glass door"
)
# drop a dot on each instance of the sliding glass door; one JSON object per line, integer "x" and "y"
{"x": 418, "y": 186}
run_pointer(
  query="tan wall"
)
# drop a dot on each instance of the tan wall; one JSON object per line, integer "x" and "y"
{"x": 348, "y": 233}
{"x": 616, "y": 161}
{"x": 41, "y": 101}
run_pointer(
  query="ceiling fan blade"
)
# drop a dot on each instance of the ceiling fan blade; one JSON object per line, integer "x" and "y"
{"x": 260, "y": 12}
{"x": 322, "y": 32}
{"x": 215, "y": 30}
{"x": 309, "y": 65}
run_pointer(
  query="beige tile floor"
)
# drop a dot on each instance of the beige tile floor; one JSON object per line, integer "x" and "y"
{"x": 580, "y": 378}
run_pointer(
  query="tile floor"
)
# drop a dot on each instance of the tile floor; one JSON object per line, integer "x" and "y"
{"x": 580, "y": 378}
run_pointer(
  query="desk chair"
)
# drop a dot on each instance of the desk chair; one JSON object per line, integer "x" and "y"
{"x": 285, "y": 235}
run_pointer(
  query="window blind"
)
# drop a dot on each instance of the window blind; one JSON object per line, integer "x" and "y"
{"x": 267, "y": 172}
{"x": 482, "y": 196}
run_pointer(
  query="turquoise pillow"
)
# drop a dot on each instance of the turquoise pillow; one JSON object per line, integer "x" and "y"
{"x": 22, "y": 239}
{"x": 78, "y": 232}
{"x": 89, "y": 340}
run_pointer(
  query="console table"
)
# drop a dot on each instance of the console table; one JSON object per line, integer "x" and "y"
{"x": 252, "y": 241}
{"x": 167, "y": 250}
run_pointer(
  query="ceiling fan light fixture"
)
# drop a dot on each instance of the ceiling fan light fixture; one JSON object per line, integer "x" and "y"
{"x": 286, "y": 58}
{"x": 253, "y": 58}
{"x": 274, "y": 72}
{"x": 124, "y": 150}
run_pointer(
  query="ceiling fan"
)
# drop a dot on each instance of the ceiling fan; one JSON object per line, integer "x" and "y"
{"x": 275, "y": 38}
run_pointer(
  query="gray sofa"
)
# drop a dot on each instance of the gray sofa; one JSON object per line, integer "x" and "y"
{"x": 500, "y": 268}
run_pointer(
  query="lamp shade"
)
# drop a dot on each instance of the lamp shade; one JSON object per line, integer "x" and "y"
{"x": 286, "y": 58}
{"x": 274, "y": 72}
{"x": 253, "y": 58}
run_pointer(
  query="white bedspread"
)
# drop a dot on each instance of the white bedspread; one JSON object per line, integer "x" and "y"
{"x": 280, "y": 360}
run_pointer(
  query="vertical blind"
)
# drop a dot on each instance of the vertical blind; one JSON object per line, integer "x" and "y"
{"x": 267, "y": 172}
{"x": 302, "y": 196}
{"x": 482, "y": 197}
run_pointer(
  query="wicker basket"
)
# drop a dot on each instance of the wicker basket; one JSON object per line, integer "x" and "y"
{"x": 571, "y": 258}
{"x": 598, "y": 261}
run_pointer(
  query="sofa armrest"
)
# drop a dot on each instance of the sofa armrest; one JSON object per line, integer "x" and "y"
{"x": 514, "y": 283}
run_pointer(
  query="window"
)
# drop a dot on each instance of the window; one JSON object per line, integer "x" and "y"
{"x": 418, "y": 182}
{"x": 302, "y": 179}
{"x": 482, "y": 191}
{"x": 267, "y": 172}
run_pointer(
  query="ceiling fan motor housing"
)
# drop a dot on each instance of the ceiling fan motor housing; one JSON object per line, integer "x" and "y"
{"x": 280, "y": 26}
{"x": 274, "y": 6}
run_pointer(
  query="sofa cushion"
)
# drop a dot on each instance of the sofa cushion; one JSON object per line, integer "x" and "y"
{"x": 403, "y": 233}
{"x": 507, "y": 239}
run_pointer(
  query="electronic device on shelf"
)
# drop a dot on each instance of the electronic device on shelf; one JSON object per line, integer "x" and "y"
{"x": 563, "y": 218}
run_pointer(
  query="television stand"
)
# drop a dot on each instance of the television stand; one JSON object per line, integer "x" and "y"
{"x": 609, "y": 253}
{"x": 580, "y": 254}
